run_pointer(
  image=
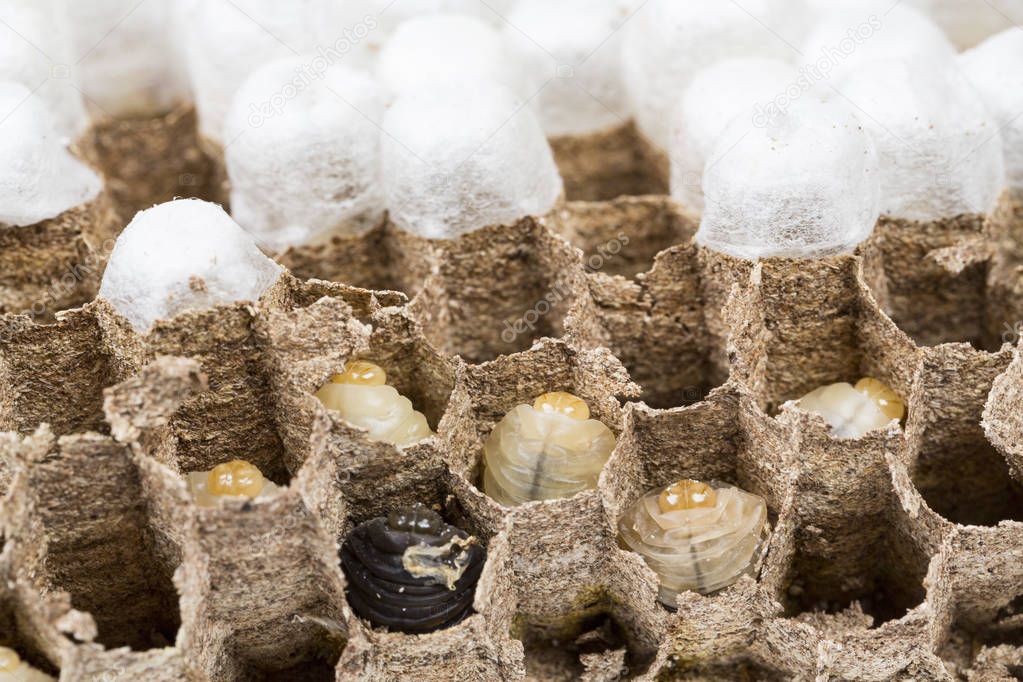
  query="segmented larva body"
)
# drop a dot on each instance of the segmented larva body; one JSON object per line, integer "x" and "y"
{"x": 695, "y": 536}
{"x": 549, "y": 450}
{"x": 410, "y": 571}
{"x": 852, "y": 411}
{"x": 13, "y": 669}
{"x": 236, "y": 479}
{"x": 361, "y": 394}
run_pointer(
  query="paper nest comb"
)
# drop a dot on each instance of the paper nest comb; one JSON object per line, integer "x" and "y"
{"x": 894, "y": 556}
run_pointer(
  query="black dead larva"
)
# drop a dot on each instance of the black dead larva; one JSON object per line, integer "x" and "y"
{"x": 695, "y": 536}
{"x": 545, "y": 451}
{"x": 410, "y": 571}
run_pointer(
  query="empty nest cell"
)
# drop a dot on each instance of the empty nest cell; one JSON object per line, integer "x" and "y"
{"x": 606, "y": 164}
{"x": 382, "y": 258}
{"x": 41, "y": 362}
{"x": 952, "y": 280}
{"x": 56, "y": 264}
{"x": 148, "y": 160}
{"x": 90, "y": 535}
{"x": 948, "y": 446}
{"x": 650, "y": 294}
{"x": 621, "y": 236}
{"x": 497, "y": 290}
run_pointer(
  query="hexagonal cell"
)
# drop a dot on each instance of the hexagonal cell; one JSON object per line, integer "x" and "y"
{"x": 948, "y": 281}
{"x": 40, "y": 363}
{"x": 91, "y": 535}
{"x": 607, "y": 163}
{"x": 725, "y": 444}
{"x": 149, "y": 160}
{"x": 886, "y": 596}
{"x": 969, "y": 486}
{"x": 601, "y": 648}
{"x": 484, "y": 394}
{"x": 56, "y": 264}
{"x": 343, "y": 501}
{"x": 857, "y": 560}
{"x": 498, "y": 290}
{"x": 307, "y": 344}
{"x": 261, "y": 599}
{"x": 722, "y": 444}
{"x": 624, "y": 235}
{"x": 956, "y": 468}
{"x": 383, "y": 258}
{"x": 664, "y": 323}
{"x": 801, "y": 325}
{"x": 976, "y": 594}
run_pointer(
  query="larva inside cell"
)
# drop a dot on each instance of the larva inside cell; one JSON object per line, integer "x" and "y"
{"x": 361, "y": 394}
{"x": 544, "y": 451}
{"x": 237, "y": 479}
{"x": 410, "y": 571}
{"x": 852, "y": 411}
{"x": 696, "y": 536}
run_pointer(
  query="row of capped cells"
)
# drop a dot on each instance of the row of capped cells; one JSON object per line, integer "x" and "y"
{"x": 789, "y": 128}
{"x": 698, "y": 105}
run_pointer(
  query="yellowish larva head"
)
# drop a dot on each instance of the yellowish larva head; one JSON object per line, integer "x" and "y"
{"x": 563, "y": 403}
{"x": 887, "y": 400}
{"x": 9, "y": 660}
{"x": 686, "y": 494}
{"x": 361, "y": 373}
{"x": 237, "y": 478}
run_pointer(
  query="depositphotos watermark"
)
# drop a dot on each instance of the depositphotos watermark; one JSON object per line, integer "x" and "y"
{"x": 558, "y": 292}
{"x": 819, "y": 70}
{"x": 314, "y": 70}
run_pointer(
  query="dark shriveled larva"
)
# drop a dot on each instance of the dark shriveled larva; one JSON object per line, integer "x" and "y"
{"x": 411, "y": 571}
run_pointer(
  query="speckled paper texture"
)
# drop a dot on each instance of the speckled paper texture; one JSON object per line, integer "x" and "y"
{"x": 895, "y": 556}
{"x": 149, "y": 160}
